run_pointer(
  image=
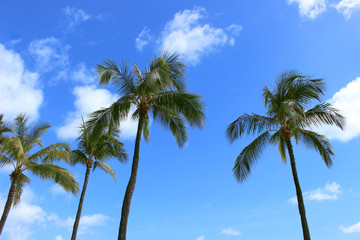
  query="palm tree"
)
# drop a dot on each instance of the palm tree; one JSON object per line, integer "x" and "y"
{"x": 287, "y": 117}
{"x": 4, "y": 128}
{"x": 18, "y": 151}
{"x": 93, "y": 149}
{"x": 159, "y": 91}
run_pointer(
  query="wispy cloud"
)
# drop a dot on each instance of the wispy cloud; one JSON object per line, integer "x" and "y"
{"x": 202, "y": 237}
{"x": 19, "y": 88}
{"x": 310, "y": 8}
{"x": 231, "y": 232}
{"x": 347, "y": 7}
{"x": 351, "y": 229}
{"x": 188, "y": 35}
{"x": 50, "y": 55}
{"x": 82, "y": 74}
{"x": 331, "y": 191}
{"x": 143, "y": 39}
{"x": 75, "y": 16}
{"x": 347, "y": 101}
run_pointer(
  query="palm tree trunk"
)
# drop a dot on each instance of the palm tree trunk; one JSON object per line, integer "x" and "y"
{"x": 78, "y": 214}
{"x": 132, "y": 181}
{"x": 8, "y": 203}
{"x": 301, "y": 206}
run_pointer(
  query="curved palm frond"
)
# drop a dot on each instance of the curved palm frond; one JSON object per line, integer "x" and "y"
{"x": 317, "y": 142}
{"x": 55, "y": 173}
{"x": 51, "y": 153}
{"x": 121, "y": 78}
{"x": 278, "y": 140}
{"x": 249, "y": 124}
{"x": 188, "y": 105}
{"x": 173, "y": 121}
{"x": 104, "y": 166}
{"x": 21, "y": 181}
{"x": 249, "y": 155}
{"x": 78, "y": 157}
{"x": 34, "y": 134}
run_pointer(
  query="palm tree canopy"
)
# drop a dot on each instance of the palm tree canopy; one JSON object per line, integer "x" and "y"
{"x": 96, "y": 147}
{"x": 19, "y": 151}
{"x": 286, "y": 115}
{"x": 159, "y": 90}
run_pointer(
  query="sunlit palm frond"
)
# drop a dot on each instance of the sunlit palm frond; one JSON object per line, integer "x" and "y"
{"x": 78, "y": 157}
{"x": 51, "y": 153}
{"x": 21, "y": 181}
{"x": 55, "y": 173}
{"x": 104, "y": 166}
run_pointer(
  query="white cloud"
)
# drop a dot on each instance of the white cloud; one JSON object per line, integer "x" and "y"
{"x": 310, "y": 8}
{"x": 50, "y": 55}
{"x": 202, "y": 237}
{"x": 230, "y": 231}
{"x": 82, "y": 74}
{"x": 89, "y": 99}
{"x": 347, "y": 7}
{"x": 59, "y": 237}
{"x": 143, "y": 39}
{"x": 75, "y": 16}
{"x": 24, "y": 218}
{"x": 56, "y": 189}
{"x": 351, "y": 229}
{"x": 331, "y": 191}
{"x": 347, "y": 101}
{"x": 86, "y": 224}
{"x": 19, "y": 88}
{"x": 186, "y": 34}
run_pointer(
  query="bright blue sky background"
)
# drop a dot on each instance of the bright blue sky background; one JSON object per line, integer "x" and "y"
{"x": 232, "y": 49}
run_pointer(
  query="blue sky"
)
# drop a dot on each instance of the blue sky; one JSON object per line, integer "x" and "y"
{"x": 232, "y": 49}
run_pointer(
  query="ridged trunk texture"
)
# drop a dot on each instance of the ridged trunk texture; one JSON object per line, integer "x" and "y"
{"x": 301, "y": 206}
{"x": 81, "y": 202}
{"x": 132, "y": 181}
{"x": 8, "y": 204}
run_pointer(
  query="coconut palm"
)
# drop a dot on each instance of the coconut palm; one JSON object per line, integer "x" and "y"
{"x": 286, "y": 117}
{"x": 19, "y": 152}
{"x": 159, "y": 91}
{"x": 94, "y": 149}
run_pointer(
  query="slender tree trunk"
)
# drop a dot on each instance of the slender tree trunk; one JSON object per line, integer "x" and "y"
{"x": 8, "y": 204}
{"x": 81, "y": 202}
{"x": 132, "y": 181}
{"x": 299, "y": 195}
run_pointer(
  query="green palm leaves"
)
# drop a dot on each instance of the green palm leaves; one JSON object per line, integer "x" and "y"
{"x": 19, "y": 151}
{"x": 286, "y": 116}
{"x": 158, "y": 91}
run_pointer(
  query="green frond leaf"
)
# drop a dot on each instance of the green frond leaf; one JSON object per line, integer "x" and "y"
{"x": 22, "y": 180}
{"x": 104, "y": 166}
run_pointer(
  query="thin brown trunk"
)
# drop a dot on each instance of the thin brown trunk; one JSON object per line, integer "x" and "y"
{"x": 8, "y": 203}
{"x": 301, "y": 206}
{"x": 78, "y": 214}
{"x": 132, "y": 181}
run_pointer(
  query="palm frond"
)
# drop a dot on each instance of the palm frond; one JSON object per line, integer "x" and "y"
{"x": 104, "y": 166}
{"x": 188, "y": 105}
{"x": 249, "y": 124}
{"x": 78, "y": 157}
{"x": 21, "y": 181}
{"x": 316, "y": 141}
{"x": 249, "y": 155}
{"x": 55, "y": 173}
{"x": 278, "y": 140}
{"x": 51, "y": 153}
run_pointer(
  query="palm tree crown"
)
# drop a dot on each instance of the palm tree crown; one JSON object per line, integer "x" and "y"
{"x": 158, "y": 91}
{"x": 287, "y": 117}
{"x": 94, "y": 149}
{"x": 18, "y": 151}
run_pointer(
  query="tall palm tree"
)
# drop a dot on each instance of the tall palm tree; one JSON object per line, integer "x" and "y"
{"x": 159, "y": 91}
{"x": 18, "y": 151}
{"x": 94, "y": 149}
{"x": 287, "y": 117}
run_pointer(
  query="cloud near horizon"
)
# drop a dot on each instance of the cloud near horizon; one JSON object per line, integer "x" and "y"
{"x": 330, "y": 191}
